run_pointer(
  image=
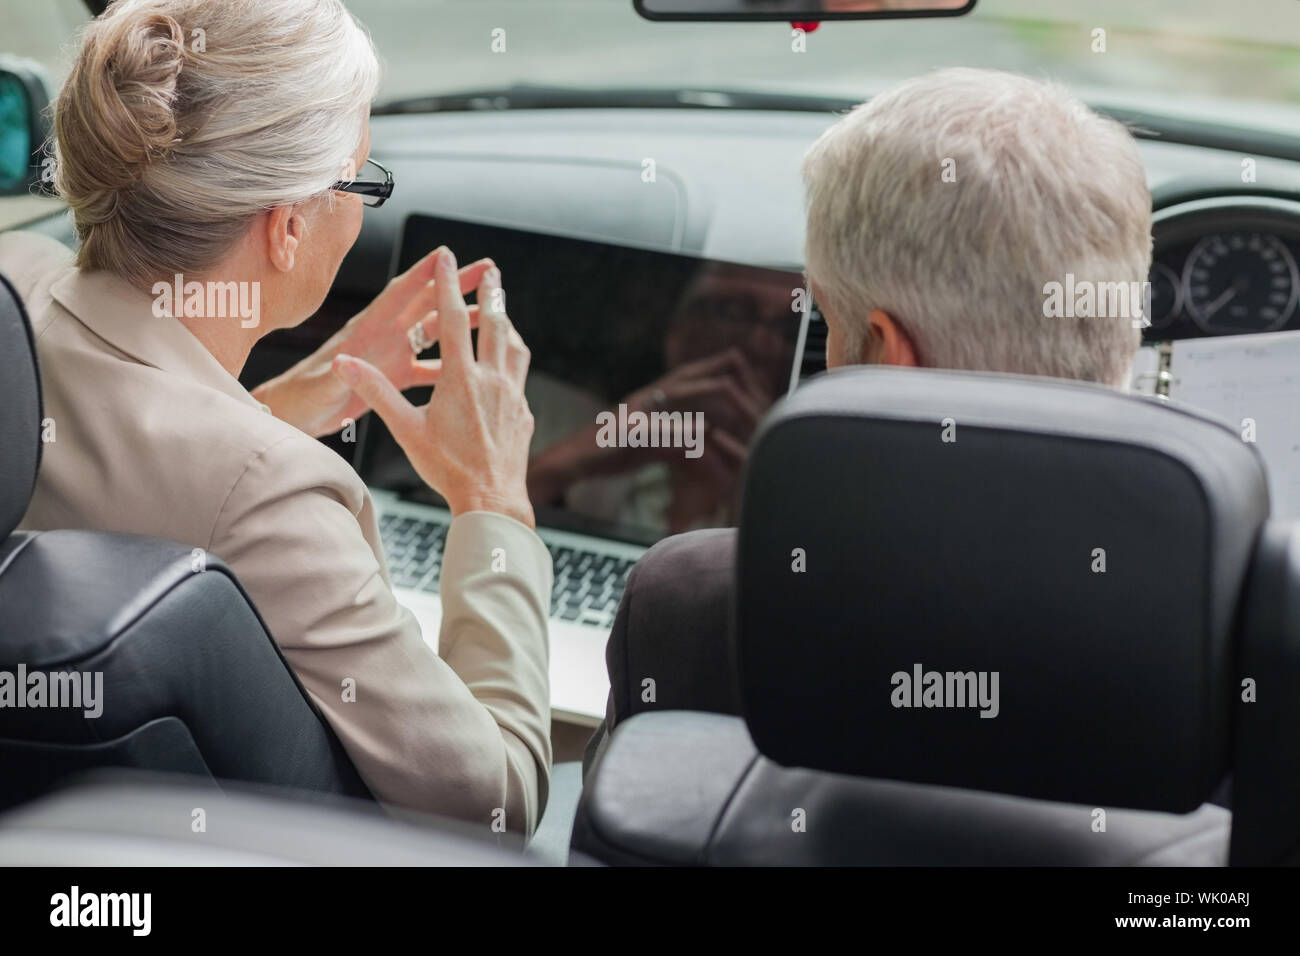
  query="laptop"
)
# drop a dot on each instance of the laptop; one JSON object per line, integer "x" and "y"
{"x": 617, "y": 333}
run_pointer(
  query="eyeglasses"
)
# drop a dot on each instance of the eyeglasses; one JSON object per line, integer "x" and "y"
{"x": 374, "y": 183}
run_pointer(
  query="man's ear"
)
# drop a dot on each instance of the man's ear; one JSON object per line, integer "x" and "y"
{"x": 888, "y": 343}
{"x": 285, "y": 229}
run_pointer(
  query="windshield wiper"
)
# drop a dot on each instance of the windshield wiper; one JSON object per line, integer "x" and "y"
{"x": 527, "y": 96}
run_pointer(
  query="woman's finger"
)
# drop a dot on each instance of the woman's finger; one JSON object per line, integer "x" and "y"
{"x": 494, "y": 327}
{"x": 472, "y": 275}
{"x": 425, "y": 372}
{"x": 413, "y": 279}
{"x": 421, "y": 303}
{"x": 414, "y": 293}
{"x": 401, "y": 417}
{"x": 517, "y": 356}
{"x": 453, "y": 315}
{"x": 425, "y": 269}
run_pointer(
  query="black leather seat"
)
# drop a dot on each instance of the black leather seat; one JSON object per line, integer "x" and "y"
{"x": 1108, "y": 557}
{"x": 110, "y": 818}
{"x": 191, "y": 680}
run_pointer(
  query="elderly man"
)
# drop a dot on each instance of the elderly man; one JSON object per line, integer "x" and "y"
{"x": 938, "y": 213}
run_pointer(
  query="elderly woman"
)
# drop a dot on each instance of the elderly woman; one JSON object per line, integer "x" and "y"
{"x": 225, "y": 141}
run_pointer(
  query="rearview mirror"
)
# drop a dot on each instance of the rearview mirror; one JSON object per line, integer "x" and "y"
{"x": 799, "y": 10}
{"x": 24, "y": 127}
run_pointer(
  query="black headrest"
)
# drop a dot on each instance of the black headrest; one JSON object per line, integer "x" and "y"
{"x": 20, "y": 410}
{"x": 1085, "y": 546}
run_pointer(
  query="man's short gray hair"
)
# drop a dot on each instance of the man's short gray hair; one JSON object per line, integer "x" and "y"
{"x": 952, "y": 201}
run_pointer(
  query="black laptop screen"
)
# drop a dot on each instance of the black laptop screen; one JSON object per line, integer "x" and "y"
{"x": 649, "y": 372}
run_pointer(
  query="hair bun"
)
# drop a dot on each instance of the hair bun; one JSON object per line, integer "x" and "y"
{"x": 132, "y": 79}
{"x": 181, "y": 121}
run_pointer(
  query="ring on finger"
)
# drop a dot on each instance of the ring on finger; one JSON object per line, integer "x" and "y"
{"x": 418, "y": 339}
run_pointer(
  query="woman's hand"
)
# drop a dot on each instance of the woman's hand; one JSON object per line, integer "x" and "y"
{"x": 470, "y": 442}
{"x": 311, "y": 397}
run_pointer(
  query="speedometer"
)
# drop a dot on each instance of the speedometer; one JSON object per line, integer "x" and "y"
{"x": 1240, "y": 282}
{"x": 1166, "y": 295}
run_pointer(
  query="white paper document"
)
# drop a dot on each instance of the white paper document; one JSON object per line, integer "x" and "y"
{"x": 1252, "y": 382}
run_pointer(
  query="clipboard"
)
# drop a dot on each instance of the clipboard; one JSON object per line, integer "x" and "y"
{"x": 1251, "y": 382}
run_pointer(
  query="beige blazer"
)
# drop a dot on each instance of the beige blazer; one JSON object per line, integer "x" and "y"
{"x": 153, "y": 436}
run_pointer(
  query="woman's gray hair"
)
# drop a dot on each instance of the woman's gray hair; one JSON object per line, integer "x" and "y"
{"x": 182, "y": 119}
{"x": 952, "y": 201}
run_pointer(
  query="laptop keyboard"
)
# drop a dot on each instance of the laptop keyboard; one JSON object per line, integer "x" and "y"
{"x": 588, "y": 584}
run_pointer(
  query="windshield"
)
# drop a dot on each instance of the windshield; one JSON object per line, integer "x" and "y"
{"x": 1163, "y": 54}
{"x": 1235, "y": 61}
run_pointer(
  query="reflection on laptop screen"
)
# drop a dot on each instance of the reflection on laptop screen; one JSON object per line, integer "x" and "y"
{"x": 649, "y": 372}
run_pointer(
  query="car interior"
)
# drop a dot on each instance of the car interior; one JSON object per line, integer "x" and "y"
{"x": 633, "y": 168}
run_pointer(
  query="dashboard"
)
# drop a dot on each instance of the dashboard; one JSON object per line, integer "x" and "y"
{"x": 1225, "y": 266}
{"x": 725, "y": 184}
{"x": 717, "y": 183}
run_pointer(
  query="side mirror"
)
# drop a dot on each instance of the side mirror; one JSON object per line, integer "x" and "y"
{"x": 24, "y": 128}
